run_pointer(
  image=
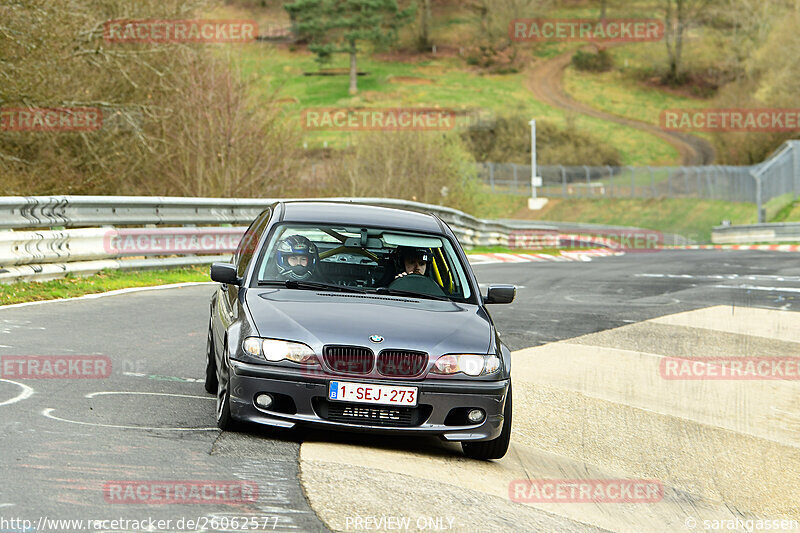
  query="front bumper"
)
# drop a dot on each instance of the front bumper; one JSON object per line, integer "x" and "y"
{"x": 436, "y": 400}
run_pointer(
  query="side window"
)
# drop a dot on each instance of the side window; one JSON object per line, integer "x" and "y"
{"x": 247, "y": 246}
{"x": 456, "y": 271}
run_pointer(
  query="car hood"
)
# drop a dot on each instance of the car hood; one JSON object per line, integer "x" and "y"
{"x": 322, "y": 318}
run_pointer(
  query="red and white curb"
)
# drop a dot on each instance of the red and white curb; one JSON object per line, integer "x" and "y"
{"x": 576, "y": 255}
{"x": 763, "y": 247}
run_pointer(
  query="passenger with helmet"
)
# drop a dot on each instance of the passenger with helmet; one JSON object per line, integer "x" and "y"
{"x": 297, "y": 258}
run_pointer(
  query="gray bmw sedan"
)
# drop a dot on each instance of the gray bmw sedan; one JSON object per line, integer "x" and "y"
{"x": 358, "y": 318}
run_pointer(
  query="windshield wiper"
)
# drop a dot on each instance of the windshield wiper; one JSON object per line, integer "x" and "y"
{"x": 396, "y": 292}
{"x": 317, "y": 285}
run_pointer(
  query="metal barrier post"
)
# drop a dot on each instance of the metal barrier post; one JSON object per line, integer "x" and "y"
{"x": 796, "y": 169}
{"x": 686, "y": 181}
{"x": 757, "y": 179}
{"x": 588, "y": 180}
{"x": 669, "y": 184}
{"x": 698, "y": 181}
{"x": 563, "y": 180}
{"x": 652, "y": 182}
{"x": 633, "y": 182}
{"x": 514, "y": 165}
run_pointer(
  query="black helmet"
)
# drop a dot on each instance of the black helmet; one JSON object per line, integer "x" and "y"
{"x": 296, "y": 245}
{"x": 403, "y": 252}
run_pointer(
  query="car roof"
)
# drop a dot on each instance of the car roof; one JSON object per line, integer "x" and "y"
{"x": 348, "y": 213}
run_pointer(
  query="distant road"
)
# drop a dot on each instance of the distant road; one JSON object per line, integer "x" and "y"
{"x": 546, "y": 83}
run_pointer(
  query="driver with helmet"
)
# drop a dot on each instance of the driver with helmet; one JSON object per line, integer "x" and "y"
{"x": 416, "y": 274}
{"x": 297, "y": 258}
{"x": 411, "y": 260}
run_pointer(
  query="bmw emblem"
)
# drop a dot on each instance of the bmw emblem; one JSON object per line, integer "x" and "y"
{"x": 376, "y": 338}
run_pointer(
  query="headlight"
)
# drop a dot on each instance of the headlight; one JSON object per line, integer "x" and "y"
{"x": 275, "y": 350}
{"x": 469, "y": 364}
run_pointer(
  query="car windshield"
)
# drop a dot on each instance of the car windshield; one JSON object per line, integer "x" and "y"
{"x": 363, "y": 259}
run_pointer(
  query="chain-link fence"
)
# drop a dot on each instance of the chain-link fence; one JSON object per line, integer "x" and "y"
{"x": 778, "y": 175}
{"x": 713, "y": 182}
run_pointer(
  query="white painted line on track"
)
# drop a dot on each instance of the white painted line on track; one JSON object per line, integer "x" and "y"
{"x": 27, "y": 392}
{"x": 581, "y": 299}
{"x": 48, "y": 413}
{"x": 752, "y": 277}
{"x": 110, "y": 393}
{"x": 759, "y": 288}
{"x": 112, "y": 293}
{"x": 157, "y": 377}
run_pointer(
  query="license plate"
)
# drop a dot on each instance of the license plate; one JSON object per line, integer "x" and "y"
{"x": 345, "y": 391}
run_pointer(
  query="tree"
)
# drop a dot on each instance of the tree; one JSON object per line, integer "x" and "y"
{"x": 424, "y": 166}
{"x": 176, "y": 118}
{"x": 424, "y": 42}
{"x": 678, "y": 16}
{"x": 491, "y": 17}
{"x": 337, "y": 26}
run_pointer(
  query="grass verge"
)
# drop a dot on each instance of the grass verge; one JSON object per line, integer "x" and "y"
{"x": 783, "y": 209}
{"x": 503, "y": 250}
{"x": 107, "y": 280}
{"x": 616, "y": 93}
{"x": 689, "y": 217}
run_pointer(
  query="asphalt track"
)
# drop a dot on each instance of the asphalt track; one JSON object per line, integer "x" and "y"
{"x": 62, "y": 441}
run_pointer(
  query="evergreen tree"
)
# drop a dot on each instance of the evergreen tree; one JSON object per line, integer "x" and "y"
{"x": 338, "y": 26}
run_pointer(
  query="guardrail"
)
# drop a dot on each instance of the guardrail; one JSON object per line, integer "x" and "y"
{"x": 60, "y": 234}
{"x": 756, "y": 233}
{"x": 19, "y": 212}
{"x": 38, "y": 247}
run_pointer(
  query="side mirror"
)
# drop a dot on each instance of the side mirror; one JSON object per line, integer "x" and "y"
{"x": 500, "y": 294}
{"x": 225, "y": 273}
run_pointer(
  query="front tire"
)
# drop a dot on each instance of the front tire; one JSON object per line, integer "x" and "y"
{"x": 211, "y": 383}
{"x": 495, "y": 448}
{"x": 225, "y": 421}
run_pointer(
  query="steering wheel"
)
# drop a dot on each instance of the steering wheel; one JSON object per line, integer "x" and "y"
{"x": 417, "y": 283}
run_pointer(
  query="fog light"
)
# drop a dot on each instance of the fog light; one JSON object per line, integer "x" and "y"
{"x": 264, "y": 401}
{"x": 476, "y": 416}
